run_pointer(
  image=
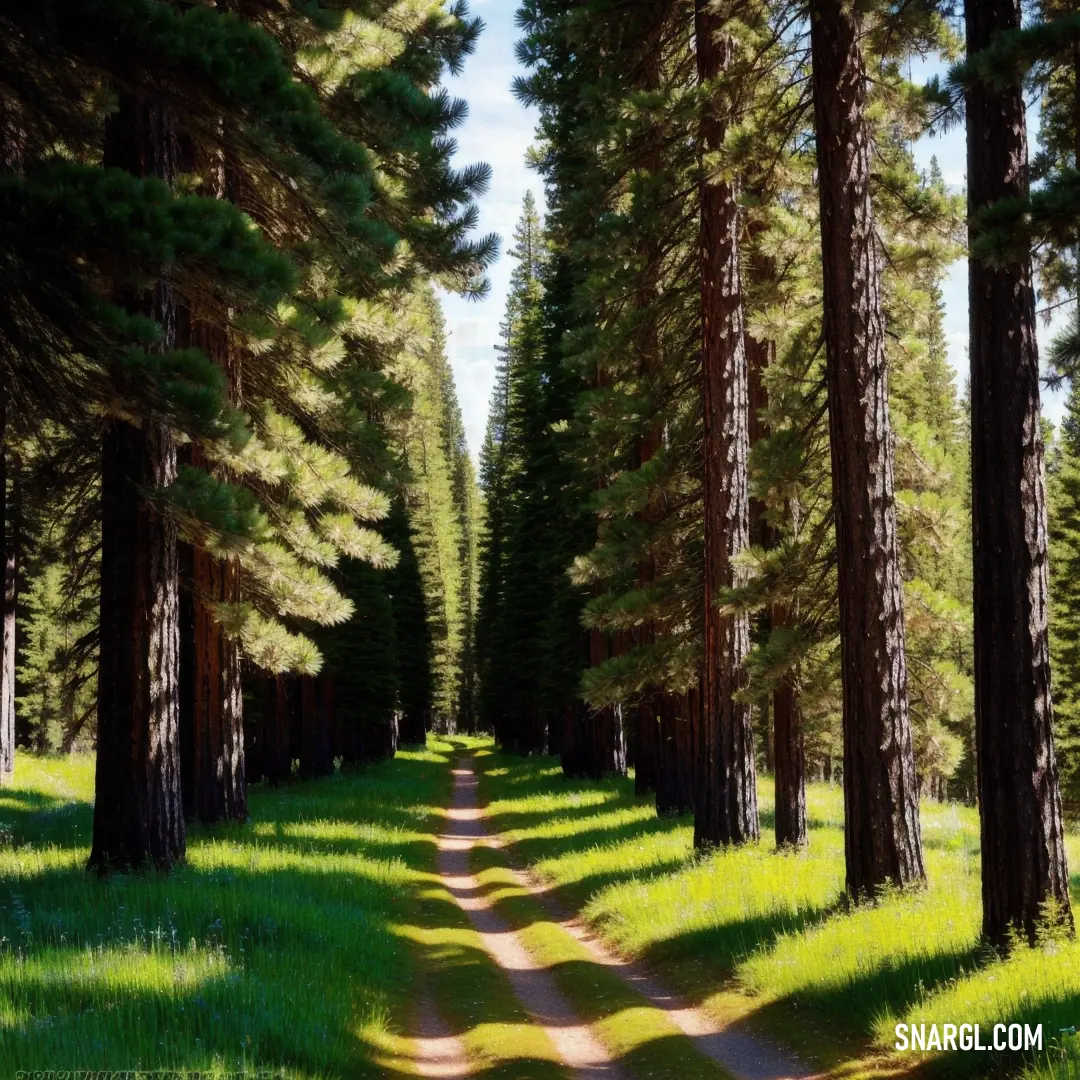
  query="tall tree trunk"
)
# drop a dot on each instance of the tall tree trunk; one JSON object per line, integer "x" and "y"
{"x": 607, "y": 739}
{"x": 8, "y": 568}
{"x": 647, "y": 738}
{"x": 277, "y": 756}
{"x": 138, "y": 808}
{"x": 315, "y": 755}
{"x": 216, "y": 789}
{"x": 882, "y": 836}
{"x": 675, "y": 775}
{"x": 604, "y": 742}
{"x": 1023, "y": 848}
{"x": 726, "y": 792}
{"x": 212, "y": 704}
{"x": 572, "y": 754}
{"x": 789, "y": 758}
{"x": 218, "y": 785}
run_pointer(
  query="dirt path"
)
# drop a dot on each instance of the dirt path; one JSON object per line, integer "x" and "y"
{"x": 534, "y": 987}
{"x": 745, "y": 1056}
{"x": 742, "y": 1055}
{"x": 439, "y": 1054}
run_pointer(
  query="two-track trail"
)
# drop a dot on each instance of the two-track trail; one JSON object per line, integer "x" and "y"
{"x": 580, "y": 1044}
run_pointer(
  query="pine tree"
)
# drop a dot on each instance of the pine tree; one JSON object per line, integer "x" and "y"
{"x": 466, "y": 506}
{"x": 1023, "y": 851}
{"x": 1064, "y": 516}
{"x": 725, "y": 808}
{"x": 623, "y": 339}
{"x": 881, "y": 813}
{"x": 436, "y": 499}
{"x": 268, "y": 511}
{"x": 510, "y": 604}
{"x": 138, "y": 811}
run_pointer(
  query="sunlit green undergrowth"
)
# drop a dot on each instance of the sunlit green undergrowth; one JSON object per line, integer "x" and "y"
{"x": 1032, "y": 986}
{"x": 776, "y": 927}
{"x": 277, "y": 946}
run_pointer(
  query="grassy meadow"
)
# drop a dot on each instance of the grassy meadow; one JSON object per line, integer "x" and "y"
{"x": 300, "y": 942}
{"x": 296, "y": 945}
{"x": 275, "y": 945}
{"x": 766, "y": 938}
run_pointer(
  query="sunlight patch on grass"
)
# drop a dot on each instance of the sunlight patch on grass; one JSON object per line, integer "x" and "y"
{"x": 272, "y": 948}
{"x": 922, "y": 936}
{"x": 1032, "y": 986}
{"x": 721, "y": 906}
{"x": 772, "y": 931}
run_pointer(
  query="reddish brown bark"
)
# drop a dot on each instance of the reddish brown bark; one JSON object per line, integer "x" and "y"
{"x": 675, "y": 772}
{"x": 726, "y": 788}
{"x": 1023, "y": 848}
{"x": 8, "y": 583}
{"x": 316, "y": 758}
{"x": 218, "y": 786}
{"x": 138, "y": 808}
{"x": 882, "y": 836}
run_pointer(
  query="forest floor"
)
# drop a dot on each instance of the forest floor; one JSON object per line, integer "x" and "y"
{"x": 457, "y": 913}
{"x": 603, "y": 1016}
{"x": 763, "y": 943}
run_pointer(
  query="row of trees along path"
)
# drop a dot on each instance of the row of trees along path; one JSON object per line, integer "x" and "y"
{"x": 723, "y": 369}
{"x": 231, "y": 456}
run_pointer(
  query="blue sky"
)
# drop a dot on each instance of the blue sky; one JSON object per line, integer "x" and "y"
{"x": 499, "y": 131}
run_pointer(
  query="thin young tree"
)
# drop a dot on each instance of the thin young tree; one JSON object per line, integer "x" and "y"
{"x": 8, "y": 570}
{"x": 882, "y": 834}
{"x": 1024, "y": 873}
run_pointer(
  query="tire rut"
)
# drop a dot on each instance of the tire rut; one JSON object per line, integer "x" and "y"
{"x": 743, "y": 1055}
{"x": 533, "y": 986}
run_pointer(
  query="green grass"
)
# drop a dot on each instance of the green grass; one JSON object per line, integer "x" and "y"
{"x": 298, "y": 942}
{"x": 767, "y": 937}
{"x": 275, "y": 945}
{"x": 640, "y": 1038}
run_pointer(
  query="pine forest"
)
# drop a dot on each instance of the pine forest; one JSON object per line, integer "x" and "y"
{"x": 683, "y": 683}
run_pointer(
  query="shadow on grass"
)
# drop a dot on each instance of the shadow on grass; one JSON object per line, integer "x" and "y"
{"x": 36, "y": 818}
{"x": 298, "y": 957}
{"x": 836, "y": 1022}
